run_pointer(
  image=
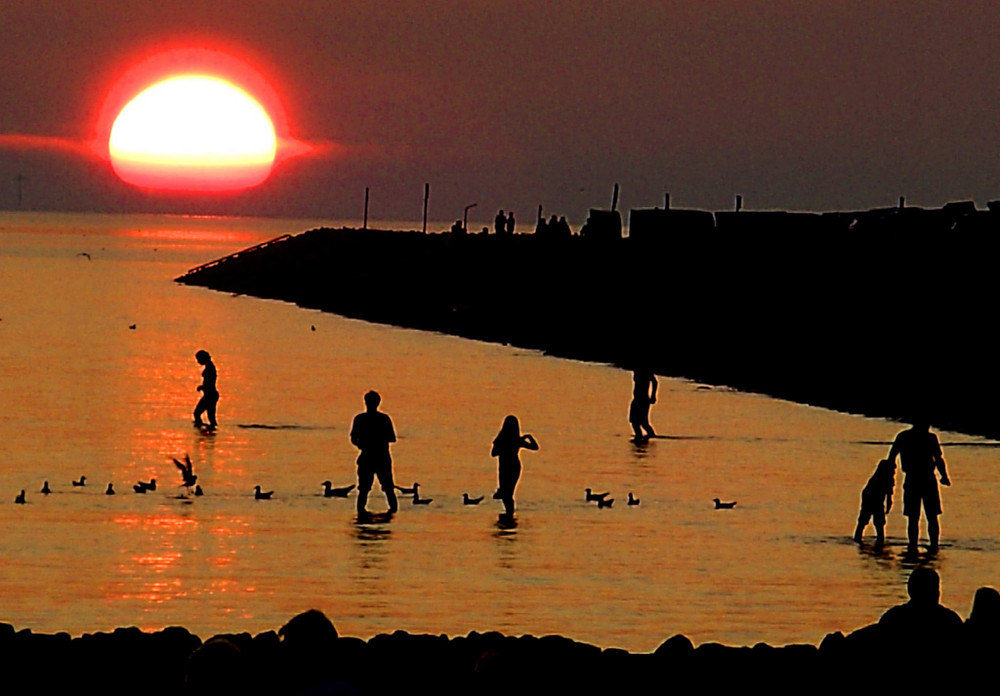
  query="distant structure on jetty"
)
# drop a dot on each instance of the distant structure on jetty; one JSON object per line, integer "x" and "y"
{"x": 881, "y": 312}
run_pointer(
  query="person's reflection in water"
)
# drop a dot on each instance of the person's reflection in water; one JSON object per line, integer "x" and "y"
{"x": 372, "y": 433}
{"x": 920, "y": 454}
{"x": 209, "y": 393}
{"x": 643, "y": 395}
{"x": 506, "y": 446}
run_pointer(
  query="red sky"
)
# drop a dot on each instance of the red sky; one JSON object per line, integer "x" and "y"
{"x": 806, "y": 104}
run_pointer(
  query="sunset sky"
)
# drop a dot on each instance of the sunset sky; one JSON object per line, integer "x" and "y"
{"x": 806, "y": 105}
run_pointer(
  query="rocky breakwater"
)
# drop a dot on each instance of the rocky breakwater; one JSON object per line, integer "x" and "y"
{"x": 886, "y": 312}
{"x": 307, "y": 656}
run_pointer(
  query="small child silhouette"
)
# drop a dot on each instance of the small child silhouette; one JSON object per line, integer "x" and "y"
{"x": 876, "y": 500}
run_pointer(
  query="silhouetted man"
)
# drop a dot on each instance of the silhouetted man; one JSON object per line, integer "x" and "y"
{"x": 499, "y": 222}
{"x": 920, "y": 454}
{"x": 643, "y": 395}
{"x": 372, "y": 432}
{"x": 510, "y": 222}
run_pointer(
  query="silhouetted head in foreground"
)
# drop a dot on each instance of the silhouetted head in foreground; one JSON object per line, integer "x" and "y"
{"x": 986, "y": 608}
{"x": 372, "y": 400}
{"x": 216, "y": 667}
{"x": 924, "y": 586}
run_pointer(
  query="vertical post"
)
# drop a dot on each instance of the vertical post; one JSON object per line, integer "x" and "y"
{"x": 666, "y": 201}
{"x": 365, "y": 226}
{"x": 614, "y": 199}
{"x": 427, "y": 195}
{"x": 739, "y": 203}
{"x": 902, "y": 202}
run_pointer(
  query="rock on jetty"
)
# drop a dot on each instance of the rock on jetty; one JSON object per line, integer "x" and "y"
{"x": 883, "y": 312}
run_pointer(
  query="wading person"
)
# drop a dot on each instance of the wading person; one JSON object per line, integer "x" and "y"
{"x": 643, "y": 396}
{"x": 209, "y": 393}
{"x": 876, "y": 501}
{"x": 506, "y": 446}
{"x": 920, "y": 455}
{"x": 372, "y": 433}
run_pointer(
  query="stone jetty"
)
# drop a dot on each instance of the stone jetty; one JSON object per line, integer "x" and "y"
{"x": 883, "y": 312}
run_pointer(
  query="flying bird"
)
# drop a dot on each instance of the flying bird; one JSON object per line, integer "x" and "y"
{"x": 591, "y": 497}
{"x": 330, "y": 492}
{"x": 471, "y": 501}
{"x": 719, "y": 505}
{"x": 261, "y": 495}
{"x": 187, "y": 471}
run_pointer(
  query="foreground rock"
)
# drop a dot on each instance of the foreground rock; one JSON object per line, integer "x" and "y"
{"x": 173, "y": 661}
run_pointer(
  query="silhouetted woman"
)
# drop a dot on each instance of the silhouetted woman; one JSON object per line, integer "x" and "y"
{"x": 209, "y": 394}
{"x": 506, "y": 447}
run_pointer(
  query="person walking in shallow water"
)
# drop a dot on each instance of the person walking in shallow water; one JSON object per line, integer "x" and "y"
{"x": 372, "y": 433}
{"x": 209, "y": 393}
{"x": 876, "y": 501}
{"x": 506, "y": 446}
{"x": 643, "y": 395}
{"x": 920, "y": 455}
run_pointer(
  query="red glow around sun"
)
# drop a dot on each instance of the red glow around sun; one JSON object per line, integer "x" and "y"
{"x": 194, "y": 120}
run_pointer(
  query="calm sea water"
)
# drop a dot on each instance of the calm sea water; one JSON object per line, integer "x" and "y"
{"x": 83, "y": 394}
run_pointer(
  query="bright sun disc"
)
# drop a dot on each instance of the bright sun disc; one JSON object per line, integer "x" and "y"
{"x": 193, "y": 133}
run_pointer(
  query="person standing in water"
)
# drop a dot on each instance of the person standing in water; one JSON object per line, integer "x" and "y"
{"x": 643, "y": 395}
{"x": 372, "y": 433}
{"x": 506, "y": 446}
{"x": 209, "y": 393}
{"x": 919, "y": 452}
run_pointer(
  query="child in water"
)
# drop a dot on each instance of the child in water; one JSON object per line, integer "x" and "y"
{"x": 876, "y": 500}
{"x": 508, "y": 442}
{"x": 209, "y": 394}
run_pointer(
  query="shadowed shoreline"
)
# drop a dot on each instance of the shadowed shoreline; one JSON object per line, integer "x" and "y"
{"x": 842, "y": 310}
{"x": 128, "y": 660}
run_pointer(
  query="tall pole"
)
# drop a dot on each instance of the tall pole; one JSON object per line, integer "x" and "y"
{"x": 614, "y": 199}
{"x": 427, "y": 195}
{"x": 365, "y": 226}
{"x": 465, "y": 216}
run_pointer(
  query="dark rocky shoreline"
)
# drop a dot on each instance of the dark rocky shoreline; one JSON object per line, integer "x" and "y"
{"x": 883, "y": 313}
{"x": 174, "y": 661}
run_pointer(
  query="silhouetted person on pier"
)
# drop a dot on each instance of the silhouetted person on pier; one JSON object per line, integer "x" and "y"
{"x": 876, "y": 501}
{"x": 920, "y": 454}
{"x": 541, "y": 228}
{"x": 643, "y": 396}
{"x": 506, "y": 446}
{"x": 372, "y": 433}
{"x": 563, "y": 227}
{"x": 510, "y": 222}
{"x": 499, "y": 222}
{"x": 209, "y": 393}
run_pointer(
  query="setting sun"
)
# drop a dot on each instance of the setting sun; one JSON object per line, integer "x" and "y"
{"x": 193, "y": 133}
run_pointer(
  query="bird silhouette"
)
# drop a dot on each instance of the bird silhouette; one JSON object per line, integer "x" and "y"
{"x": 330, "y": 492}
{"x": 111, "y": 489}
{"x": 605, "y": 503}
{"x": 81, "y": 482}
{"x": 408, "y": 491}
{"x": 719, "y": 505}
{"x": 198, "y": 491}
{"x": 471, "y": 501}
{"x": 143, "y": 486}
{"x": 258, "y": 494}
{"x": 187, "y": 471}
{"x": 632, "y": 500}
{"x": 45, "y": 488}
{"x": 591, "y": 497}
{"x": 19, "y": 498}
{"x": 417, "y": 500}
